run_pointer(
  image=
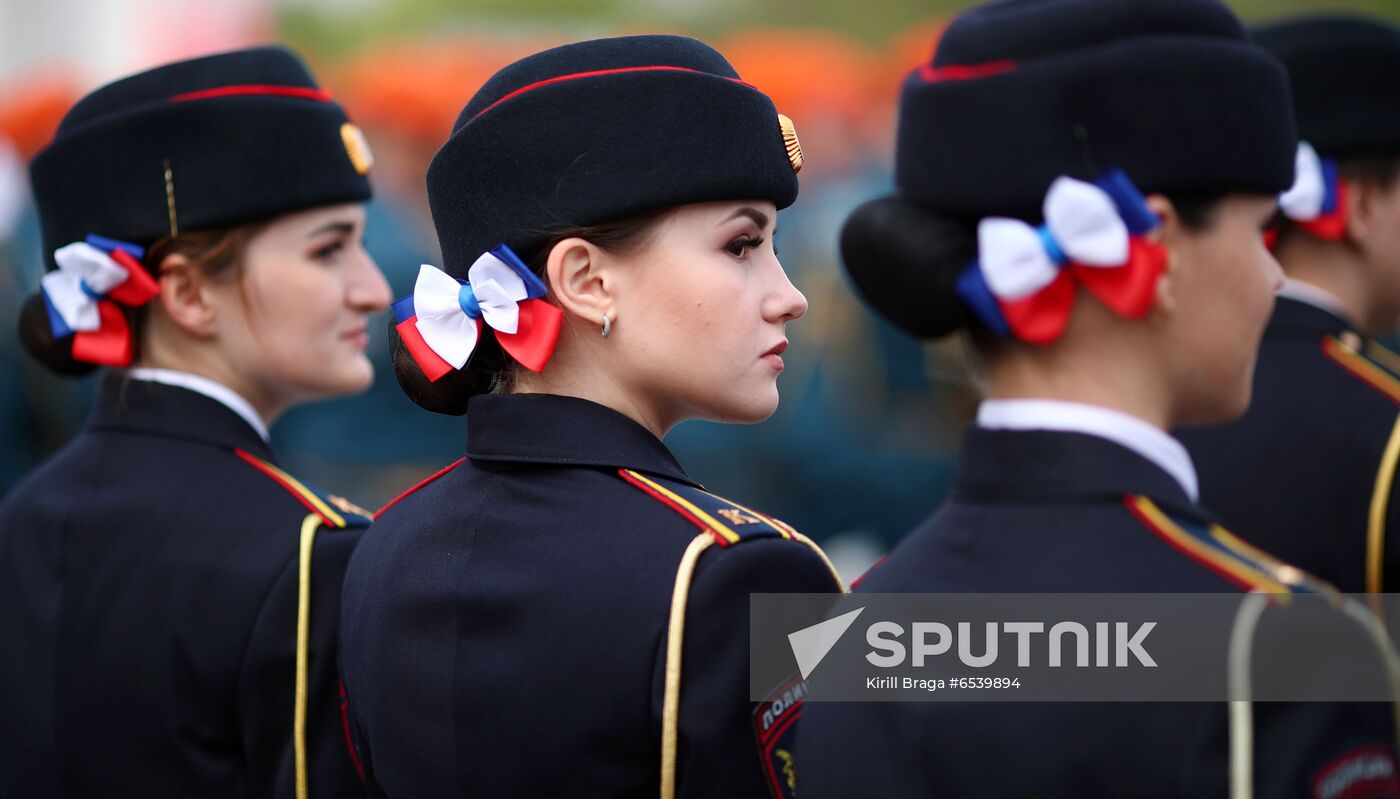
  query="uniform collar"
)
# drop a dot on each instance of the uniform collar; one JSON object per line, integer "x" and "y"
{"x": 1317, "y": 297}
{"x": 1098, "y": 450}
{"x": 132, "y": 405}
{"x": 550, "y": 429}
{"x": 209, "y": 388}
{"x": 1295, "y": 315}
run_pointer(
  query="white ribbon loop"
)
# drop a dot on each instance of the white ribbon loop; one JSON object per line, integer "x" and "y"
{"x": 499, "y": 292}
{"x": 1085, "y": 223}
{"x": 1304, "y": 200}
{"x": 1080, "y": 217}
{"x": 81, "y": 264}
{"x": 445, "y": 327}
{"x": 1014, "y": 261}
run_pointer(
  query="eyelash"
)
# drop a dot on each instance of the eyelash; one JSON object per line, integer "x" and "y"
{"x": 327, "y": 252}
{"x": 738, "y": 247}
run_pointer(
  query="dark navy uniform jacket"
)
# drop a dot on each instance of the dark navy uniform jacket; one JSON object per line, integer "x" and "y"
{"x": 1057, "y": 512}
{"x": 504, "y": 625}
{"x": 148, "y": 611}
{"x": 1300, "y": 474}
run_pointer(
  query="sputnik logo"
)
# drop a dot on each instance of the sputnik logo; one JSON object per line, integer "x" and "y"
{"x": 811, "y": 644}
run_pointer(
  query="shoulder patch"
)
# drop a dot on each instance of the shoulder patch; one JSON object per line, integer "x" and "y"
{"x": 1367, "y": 361}
{"x": 1223, "y": 552}
{"x": 728, "y": 522}
{"x": 418, "y": 485}
{"x": 335, "y": 512}
{"x": 1363, "y": 772}
{"x": 775, "y": 725}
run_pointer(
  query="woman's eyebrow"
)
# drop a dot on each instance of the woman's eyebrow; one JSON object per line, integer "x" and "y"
{"x": 342, "y": 227}
{"x": 759, "y": 218}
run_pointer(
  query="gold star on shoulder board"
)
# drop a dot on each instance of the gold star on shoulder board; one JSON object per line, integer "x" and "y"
{"x": 349, "y": 507}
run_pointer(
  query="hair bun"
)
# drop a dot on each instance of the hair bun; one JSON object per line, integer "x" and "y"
{"x": 905, "y": 261}
{"x": 37, "y": 338}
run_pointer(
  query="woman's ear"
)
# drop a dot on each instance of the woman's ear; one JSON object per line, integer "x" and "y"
{"x": 185, "y": 296}
{"x": 1169, "y": 236}
{"x": 580, "y": 282}
{"x": 1361, "y": 211}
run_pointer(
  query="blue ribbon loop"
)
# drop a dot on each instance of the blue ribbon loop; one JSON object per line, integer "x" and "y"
{"x": 972, "y": 288}
{"x": 1132, "y": 206}
{"x": 108, "y": 245}
{"x": 1330, "y": 176}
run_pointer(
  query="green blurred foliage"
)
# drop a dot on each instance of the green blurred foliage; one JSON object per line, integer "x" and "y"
{"x": 330, "y": 29}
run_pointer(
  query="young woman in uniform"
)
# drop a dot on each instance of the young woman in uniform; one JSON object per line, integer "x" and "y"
{"x": 168, "y": 610}
{"x": 565, "y": 610}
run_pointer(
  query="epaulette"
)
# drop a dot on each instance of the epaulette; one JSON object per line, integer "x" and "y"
{"x": 728, "y": 522}
{"x": 721, "y": 523}
{"x": 1366, "y": 360}
{"x": 326, "y": 510}
{"x": 1379, "y": 368}
{"x": 1224, "y": 553}
{"x": 333, "y": 511}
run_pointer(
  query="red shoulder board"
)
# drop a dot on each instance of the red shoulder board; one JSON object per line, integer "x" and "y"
{"x": 729, "y": 522}
{"x": 1367, "y": 361}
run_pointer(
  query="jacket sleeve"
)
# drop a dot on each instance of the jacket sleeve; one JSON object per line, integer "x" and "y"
{"x": 719, "y": 752}
{"x": 267, "y": 683}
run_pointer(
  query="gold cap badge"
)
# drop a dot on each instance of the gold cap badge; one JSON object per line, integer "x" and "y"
{"x": 794, "y": 147}
{"x": 357, "y": 147}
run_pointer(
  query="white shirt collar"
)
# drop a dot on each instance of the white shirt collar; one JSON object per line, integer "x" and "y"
{"x": 1074, "y": 417}
{"x": 209, "y": 388}
{"x": 1315, "y": 296}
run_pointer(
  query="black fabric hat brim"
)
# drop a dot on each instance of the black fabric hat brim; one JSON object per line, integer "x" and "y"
{"x": 600, "y": 149}
{"x": 1344, "y": 71}
{"x": 1176, "y": 115}
{"x": 600, "y": 131}
{"x": 234, "y": 158}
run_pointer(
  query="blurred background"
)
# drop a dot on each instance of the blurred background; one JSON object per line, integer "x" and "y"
{"x": 861, "y": 449}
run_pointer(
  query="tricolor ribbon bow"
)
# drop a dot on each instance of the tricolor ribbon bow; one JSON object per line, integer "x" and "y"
{"x": 441, "y": 322}
{"x": 1023, "y": 281}
{"x": 1317, "y": 201}
{"x": 81, "y": 295}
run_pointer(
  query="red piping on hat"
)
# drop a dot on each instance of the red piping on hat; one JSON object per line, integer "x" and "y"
{"x": 597, "y": 73}
{"x": 302, "y": 92}
{"x": 932, "y": 74}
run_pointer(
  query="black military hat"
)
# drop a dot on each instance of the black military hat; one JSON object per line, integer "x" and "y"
{"x": 601, "y": 130}
{"x": 1022, "y": 91}
{"x": 210, "y": 142}
{"x": 1344, "y": 70}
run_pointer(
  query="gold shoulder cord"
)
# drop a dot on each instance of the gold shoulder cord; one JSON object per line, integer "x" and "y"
{"x": 1380, "y": 505}
{"x": 308, "y": 537}
{"x": 675, "y": 638}
{"x": 1240, "y": 663}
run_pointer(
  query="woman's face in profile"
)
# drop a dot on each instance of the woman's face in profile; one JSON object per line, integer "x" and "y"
{"x": 702, "y": 312}
{"x": 1224, "y": 280}
{"x": 294, "y": 321}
